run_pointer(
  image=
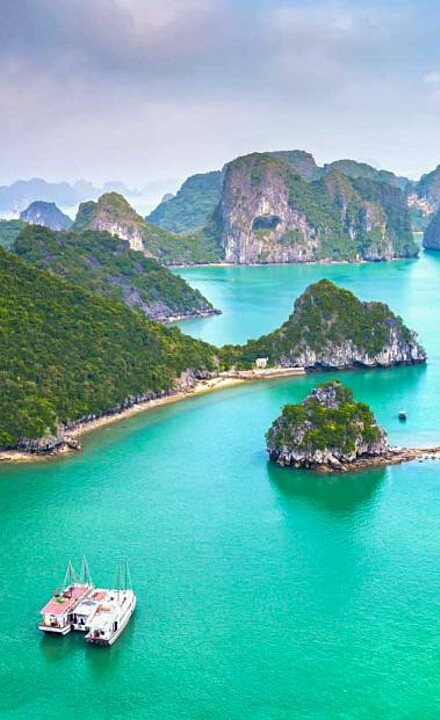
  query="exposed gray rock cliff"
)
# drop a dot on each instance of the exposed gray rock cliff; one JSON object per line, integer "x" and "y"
{"x": 330, "y": 328}
{"x": 46, "y": 214}
{"x": 112, "y": 214}
{"x": 269, "y": 214}
{"x": 328, "y": 429}
{"x": 431, "y": 237}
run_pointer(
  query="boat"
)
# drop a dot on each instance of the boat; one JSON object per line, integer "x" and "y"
{"x": 402, "y": 415}
{"x": 57, "y": 613}
{"x": 100, "y": 613}
{"x": 113, "y": 612}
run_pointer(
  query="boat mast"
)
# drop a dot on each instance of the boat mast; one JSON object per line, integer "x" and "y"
{"x": 127, "y": 578}
{"x": 118, "y": 581}
{"x": 69, "y": 577}
{"x": 85, "y": 577}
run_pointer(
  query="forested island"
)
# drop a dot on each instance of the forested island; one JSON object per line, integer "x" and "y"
{"x": 267, "y": 212}
{"x": 112, "y": 213}
{"x": 107, "y": 266}
{"x": 79, "y": 331}
{"x": 331, "y": 432}
{"x": 67, "y": 354}
{"x": 330, "y": 328}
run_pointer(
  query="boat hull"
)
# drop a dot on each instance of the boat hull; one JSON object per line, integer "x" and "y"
{"x": 55, "y": 630}
{"x": 107, "y": 642}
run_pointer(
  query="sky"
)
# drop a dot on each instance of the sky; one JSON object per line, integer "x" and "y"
{"x": 144, "y": 90}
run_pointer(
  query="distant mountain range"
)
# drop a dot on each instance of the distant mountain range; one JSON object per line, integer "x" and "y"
{"x": 275, "y": 207}
{"x": 15, "y": 198}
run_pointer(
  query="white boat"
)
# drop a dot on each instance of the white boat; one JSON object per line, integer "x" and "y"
{"x": 57, "y": 613}
{"x": 110, "y": 618}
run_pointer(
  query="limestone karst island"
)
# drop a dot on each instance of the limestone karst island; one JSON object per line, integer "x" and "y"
{"x": 219, "y": 360}
{"x": 329, "y": 431}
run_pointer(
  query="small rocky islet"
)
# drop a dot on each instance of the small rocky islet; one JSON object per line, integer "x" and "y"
{"x": 331, "y": 432}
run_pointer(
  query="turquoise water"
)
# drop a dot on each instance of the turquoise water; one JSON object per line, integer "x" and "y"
{"x": 263, "y": 594}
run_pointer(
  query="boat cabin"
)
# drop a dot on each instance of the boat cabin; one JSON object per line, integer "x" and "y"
{"x": 113, "y": 614}
{"x": 83, "y": 614}
{"x": 57, "y": 612}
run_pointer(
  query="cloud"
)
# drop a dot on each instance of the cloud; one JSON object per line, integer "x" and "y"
{"x": 164, "y": 87}
{"x": 432, "y": 78}
{"x": 124, "y": 38}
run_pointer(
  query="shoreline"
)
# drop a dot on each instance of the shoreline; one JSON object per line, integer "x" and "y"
{"x": 395, "y": 456}
{"x": 292, "y": 264}
{"x": 202, "y": 387}
{"x": 189, "y": 316}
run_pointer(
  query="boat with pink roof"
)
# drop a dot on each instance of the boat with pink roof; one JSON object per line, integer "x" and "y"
{"x": 57, "y": 613}
{"x": 100, "y": 613}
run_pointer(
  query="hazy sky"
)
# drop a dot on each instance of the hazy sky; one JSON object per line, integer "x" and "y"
{"x": 144, "y": 89}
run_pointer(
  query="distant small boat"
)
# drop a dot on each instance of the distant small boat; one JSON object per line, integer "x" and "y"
{"x": 402, "y": 415}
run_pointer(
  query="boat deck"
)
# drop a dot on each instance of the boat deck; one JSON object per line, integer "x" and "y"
{"x": 110, "y": 606}
{"x": 65, "y": 602}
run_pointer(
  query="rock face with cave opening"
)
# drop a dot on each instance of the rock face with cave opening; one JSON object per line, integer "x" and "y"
{"x": 268, "y": 213}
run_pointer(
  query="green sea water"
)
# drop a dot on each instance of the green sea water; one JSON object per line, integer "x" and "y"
{"x": 263, "y": 594}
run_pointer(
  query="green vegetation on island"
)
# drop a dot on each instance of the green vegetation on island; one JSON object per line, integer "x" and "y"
{"x": 331, "y": 328}
{"x": 431, "y": 236}
{"x": 354, "y": 169}
{"x": 105, "y": 265}
{"x": 9, "y": 230}
{"x": 328, "y": 428}
{"x": 194, "y": 202}
{"x": 67, "y": 354}
{"x": 267, "y": 208}
{"x": 113, "y": 214}
{"x": 419, "y": 219}
{"x": 270, "y": 214}
{"x": 428, "y": 188}
{"x": 303, "y": 162}
{"x": 200, "y": 196}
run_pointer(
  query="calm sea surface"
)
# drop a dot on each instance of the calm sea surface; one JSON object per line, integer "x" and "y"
{"x": 263, "y": 594}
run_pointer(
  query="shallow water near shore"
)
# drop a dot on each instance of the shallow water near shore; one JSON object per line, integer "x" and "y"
{"x": 262, "y": 593}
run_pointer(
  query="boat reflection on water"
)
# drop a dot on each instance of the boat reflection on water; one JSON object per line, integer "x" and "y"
{"x": 55, "y": 651}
